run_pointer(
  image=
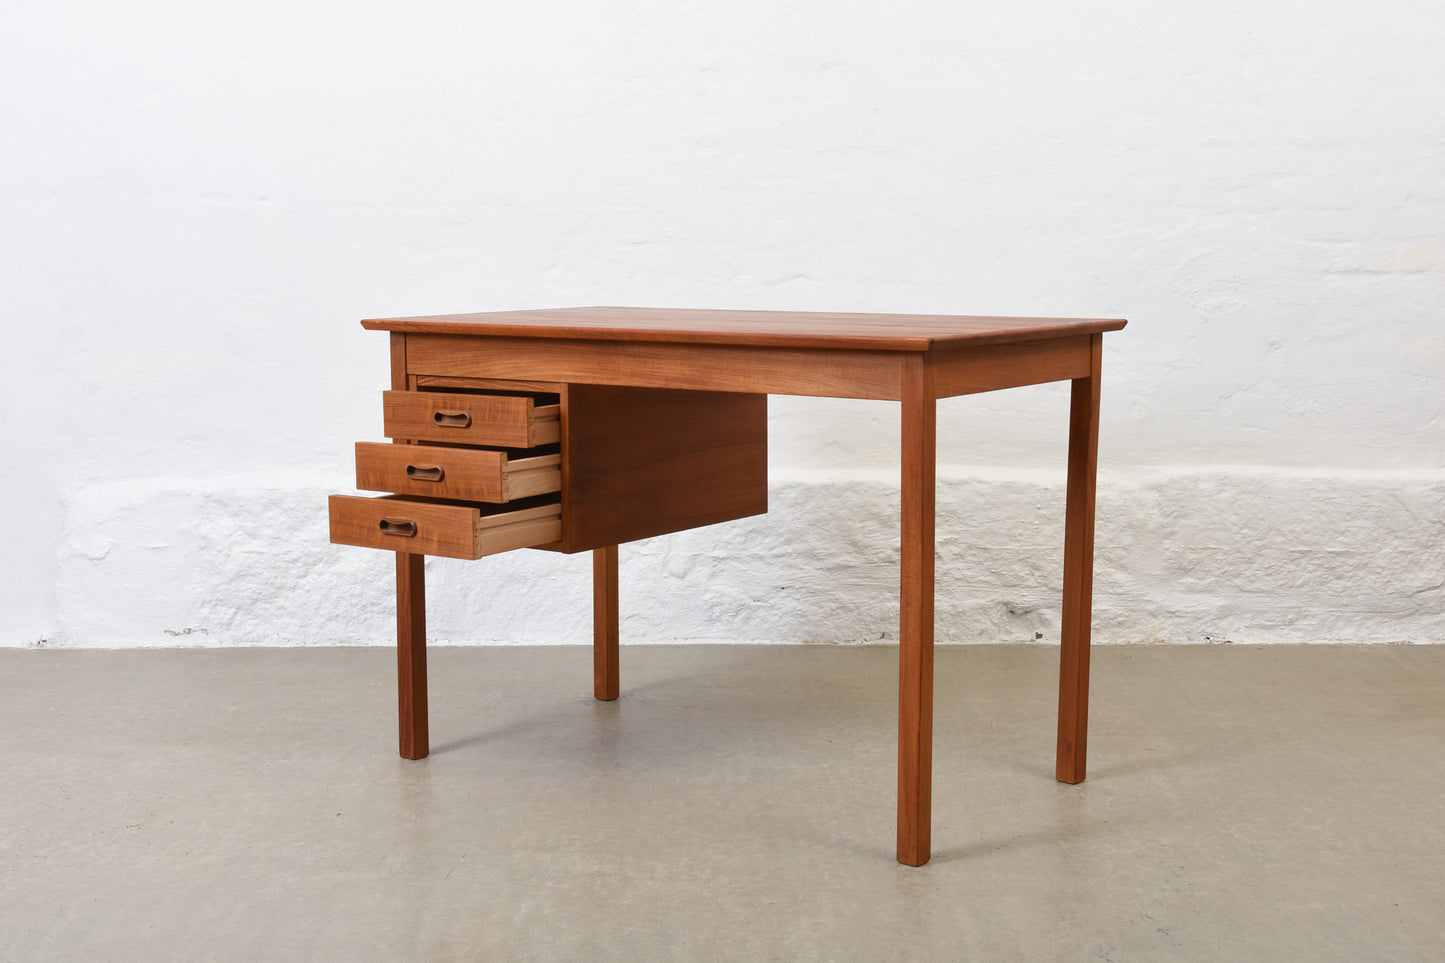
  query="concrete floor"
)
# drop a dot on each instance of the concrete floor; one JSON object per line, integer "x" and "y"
{"x": 1243, "y": 803}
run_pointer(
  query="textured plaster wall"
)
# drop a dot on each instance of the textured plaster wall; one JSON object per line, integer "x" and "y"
{"x": 199, "y": 202}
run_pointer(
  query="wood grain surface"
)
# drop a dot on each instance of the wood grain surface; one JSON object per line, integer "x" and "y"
{"x": 802, "y": 329}
{"x": 640, "y": 462}
{"x": 466, "y": 474}
{"x": 1072, "y": 753}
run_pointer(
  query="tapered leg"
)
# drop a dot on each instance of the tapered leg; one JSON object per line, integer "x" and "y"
{"x": 411, "y": 653}
{"x": 1078, "y": 574}
{"x": 915, "y": 649}
{"x": 604, "y": 623}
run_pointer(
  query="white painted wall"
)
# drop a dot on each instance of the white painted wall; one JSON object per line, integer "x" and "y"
{"x": 199, "y": 202}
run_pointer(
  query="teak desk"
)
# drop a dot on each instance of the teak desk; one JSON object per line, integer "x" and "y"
{"x": 580, "y": 428}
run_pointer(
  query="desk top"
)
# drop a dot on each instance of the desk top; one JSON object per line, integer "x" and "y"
{"x": 781, "y": 329}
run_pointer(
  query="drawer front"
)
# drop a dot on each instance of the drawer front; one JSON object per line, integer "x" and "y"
{"x": 437, "y": 528}
{"x": 467, "y": 474}
{"x": 509, "y": 421}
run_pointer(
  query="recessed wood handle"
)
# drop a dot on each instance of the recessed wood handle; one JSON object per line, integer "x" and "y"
{"x": 452, "y": 419}
{"x": 425, "y": 472}
{"x": 404, "y": 527}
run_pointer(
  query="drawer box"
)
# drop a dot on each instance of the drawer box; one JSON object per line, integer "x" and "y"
{"x": 443, "y": 528}
{"x": 458, "y": 418}
{"x": 466, "y": 474}
{"x": 623, "y": 464}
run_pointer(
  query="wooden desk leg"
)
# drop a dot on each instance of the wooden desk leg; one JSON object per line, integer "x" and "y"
{"x": 604, "y": 623}
{"x": 1078, "y": 574}
{"x": 411, "y": 653}
{"x": 915, "y": 648}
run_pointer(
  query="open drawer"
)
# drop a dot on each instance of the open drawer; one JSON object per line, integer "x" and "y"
{"x": 458, "y": 418}
{"x": 466, "y": 474}
{"x": 444, "y": 528}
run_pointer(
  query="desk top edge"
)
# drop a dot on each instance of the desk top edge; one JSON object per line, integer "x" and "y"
{"x": 781, "y": 329}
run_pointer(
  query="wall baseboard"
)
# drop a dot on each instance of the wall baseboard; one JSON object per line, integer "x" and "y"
{"x": 1183, "y": 555}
